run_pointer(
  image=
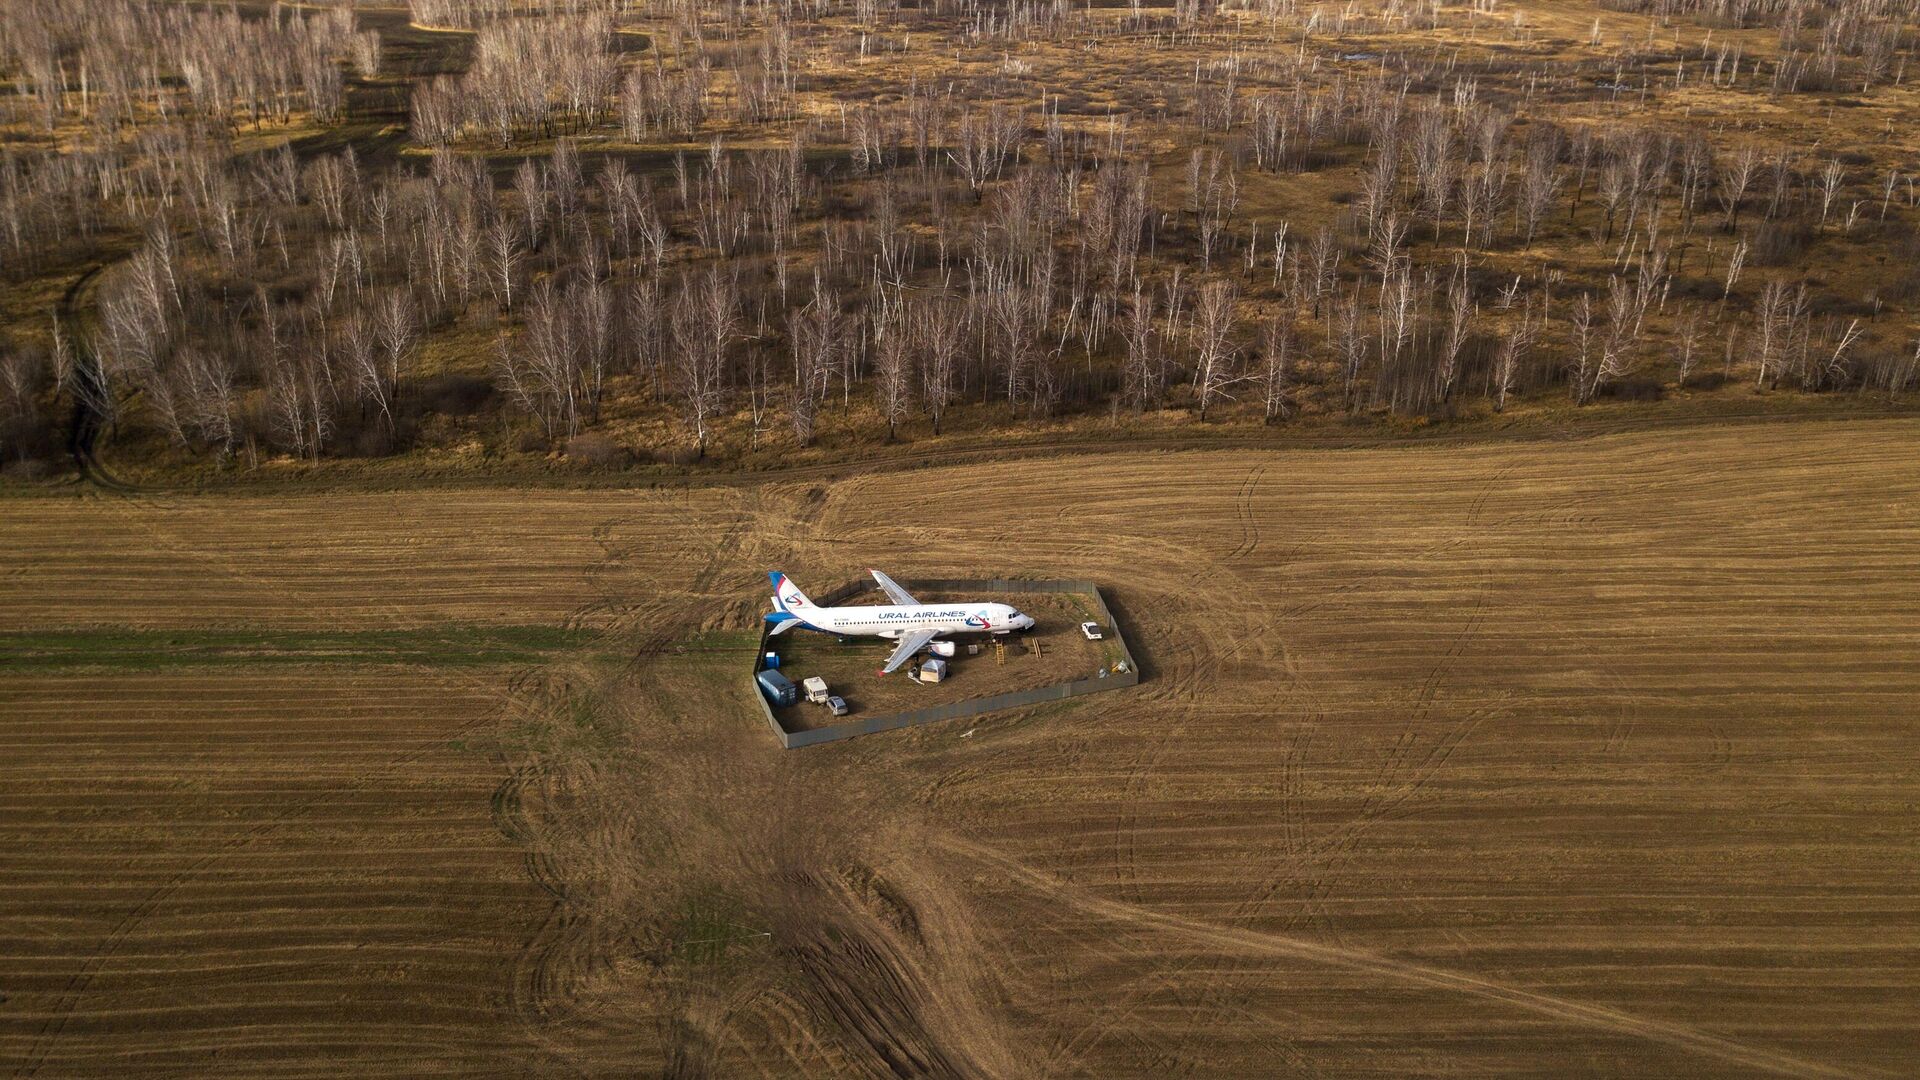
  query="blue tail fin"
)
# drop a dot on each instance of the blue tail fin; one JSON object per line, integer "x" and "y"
{"x": 786, "y": 595}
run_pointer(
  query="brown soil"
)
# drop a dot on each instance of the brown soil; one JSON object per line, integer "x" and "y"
{"x": 1524, "y": 759}
{"x": 210, "y": 874}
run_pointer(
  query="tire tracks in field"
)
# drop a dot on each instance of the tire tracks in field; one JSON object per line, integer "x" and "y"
{"x": 1621, "y": 727}
{"x": 610, "y": 605}
{"x": 1474, "y": 510}
{"x": 530, "y": 981}
{"x": 1166, "y": 1058}
{"x": 1308, "y": 865}
{"x": 876, "y": 997}
{"x": 1410, "y": 763}
{"x": 1126, "y": 826}
{"x": 1244, "y": 510}
{"x": 1258, "y": 943}
{"x": 1402, "y": 774}
{"x": 540, "y": 971}
{"x": 570, "y": 939}
{"x": 1414, "y": 759}
{"x": 1187, "y": 610}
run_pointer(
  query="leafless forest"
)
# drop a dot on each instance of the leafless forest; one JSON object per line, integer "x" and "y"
{"x": 402, "y": 403}
{"x": 236, "y": 232}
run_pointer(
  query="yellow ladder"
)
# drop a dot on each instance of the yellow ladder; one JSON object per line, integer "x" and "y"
{"x": 1000, "y": 651}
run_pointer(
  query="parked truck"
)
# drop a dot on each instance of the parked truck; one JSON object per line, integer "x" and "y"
{"x": 778, "y": 688}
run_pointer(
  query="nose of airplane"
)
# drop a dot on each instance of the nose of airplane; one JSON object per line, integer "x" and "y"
{"x": 1026, "y": 622}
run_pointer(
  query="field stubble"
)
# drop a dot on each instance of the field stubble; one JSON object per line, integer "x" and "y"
{"x": 1587, "y": 758}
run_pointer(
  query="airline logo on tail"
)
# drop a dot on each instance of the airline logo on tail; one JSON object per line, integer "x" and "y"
{"x": 787, "y": 595}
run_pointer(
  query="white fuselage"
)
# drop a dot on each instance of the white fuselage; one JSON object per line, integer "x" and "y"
{"x": 892, "y": 621}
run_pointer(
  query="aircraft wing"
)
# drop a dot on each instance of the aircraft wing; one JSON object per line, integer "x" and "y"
{"x": 892, "y": 588}
{"x": 908, "y": 645}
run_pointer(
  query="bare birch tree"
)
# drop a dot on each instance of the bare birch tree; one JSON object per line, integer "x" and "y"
{"x": 1215, "y": 354}
{"x": 1278, "y": 345}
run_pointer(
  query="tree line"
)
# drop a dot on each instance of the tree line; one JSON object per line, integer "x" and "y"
{"x": 891, "y": 261}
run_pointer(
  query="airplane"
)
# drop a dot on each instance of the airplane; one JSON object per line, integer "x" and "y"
{"x": 907, "y": 621}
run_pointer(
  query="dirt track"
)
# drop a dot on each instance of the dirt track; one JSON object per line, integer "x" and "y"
{"x": 1589, "y": 758}
{"x": 1248, "y": 942}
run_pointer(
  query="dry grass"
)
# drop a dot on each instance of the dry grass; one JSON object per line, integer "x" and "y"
{"x": 1621, "y": 724}
{"x": 1536, "y": 759}
{"x": 1102, "y": 72}
{"x": 376, "y": 560}
{"x": 253, "y": 873}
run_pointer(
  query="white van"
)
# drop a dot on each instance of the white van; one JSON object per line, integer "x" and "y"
{"x": 816, "y": 689}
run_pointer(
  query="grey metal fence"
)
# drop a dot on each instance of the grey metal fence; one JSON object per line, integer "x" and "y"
{"x": 957, "y": 709}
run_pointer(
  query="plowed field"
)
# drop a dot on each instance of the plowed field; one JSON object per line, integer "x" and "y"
{"x": 1593, "y": 758}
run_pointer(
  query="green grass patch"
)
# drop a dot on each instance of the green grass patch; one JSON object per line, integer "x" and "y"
{"x": 708, "y": 926}
{"x": 125, "y": 649}
{"x": 720, "y": 641}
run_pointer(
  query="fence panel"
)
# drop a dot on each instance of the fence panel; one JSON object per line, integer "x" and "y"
{"x": 956, "y": 709}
